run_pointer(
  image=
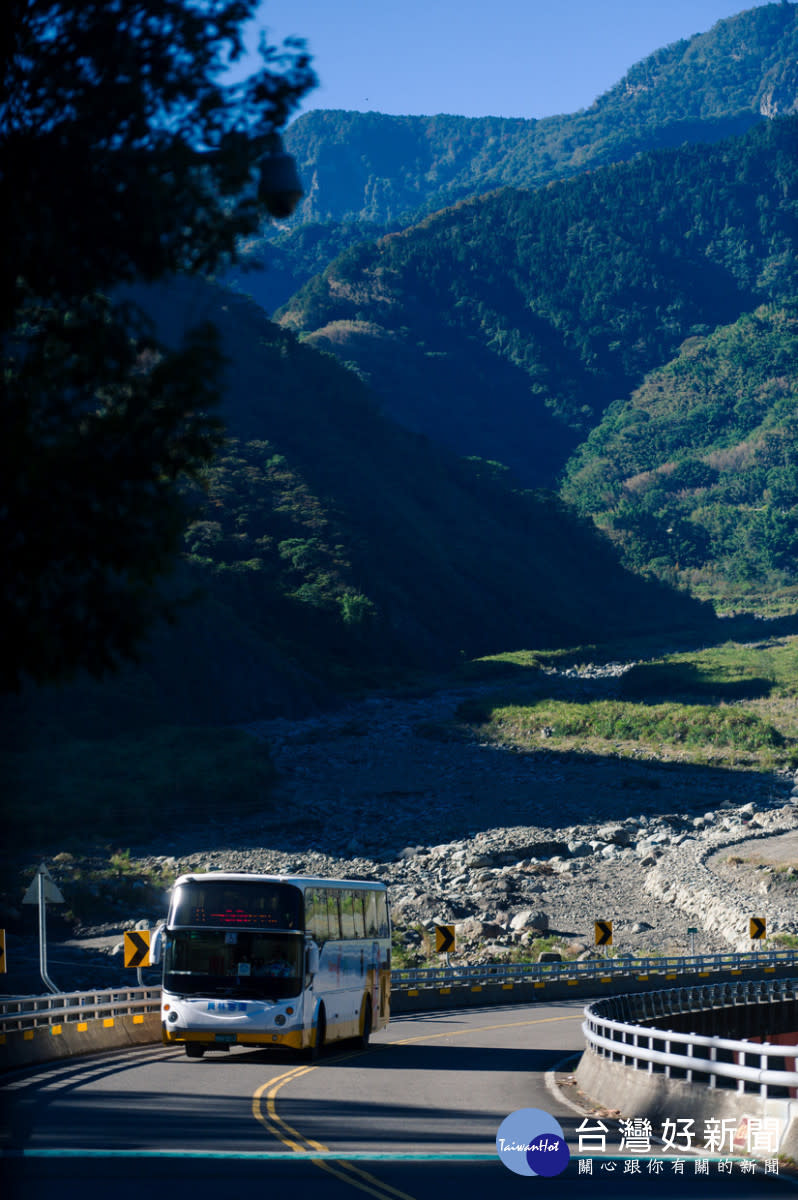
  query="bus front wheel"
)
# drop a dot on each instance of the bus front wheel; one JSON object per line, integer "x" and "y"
{"x": 194, "y": 1049}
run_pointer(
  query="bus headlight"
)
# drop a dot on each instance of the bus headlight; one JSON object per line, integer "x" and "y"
{"x": 279, "y": 1019}
{"x": 172, "y": 1016}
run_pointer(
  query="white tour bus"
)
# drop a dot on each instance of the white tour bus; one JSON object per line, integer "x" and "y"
{"x": 264, "y": 960}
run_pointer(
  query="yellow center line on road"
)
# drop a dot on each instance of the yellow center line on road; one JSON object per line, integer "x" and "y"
{"x": 429, "y": 1037}
{"x": 297, "y": 1142}
{"x": 305, "y": 1146}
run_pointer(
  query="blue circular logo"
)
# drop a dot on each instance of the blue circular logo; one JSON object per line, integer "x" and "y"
{"x": 531, "y": 1142}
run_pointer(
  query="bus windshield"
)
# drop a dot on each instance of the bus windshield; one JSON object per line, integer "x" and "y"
{"x": 235, "y": 963}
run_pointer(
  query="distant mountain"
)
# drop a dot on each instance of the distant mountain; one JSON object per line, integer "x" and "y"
{"x": 378, "y": 168}
{"x": 367, "y": 173}
{"x": 505, "y": 326}
{"x": 695, "y": 476}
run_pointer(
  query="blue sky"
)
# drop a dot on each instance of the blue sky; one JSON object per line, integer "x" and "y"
{"x": 512, "y": 58}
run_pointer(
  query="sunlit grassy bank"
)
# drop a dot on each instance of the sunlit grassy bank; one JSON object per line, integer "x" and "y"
{"x": 731, "y": 705}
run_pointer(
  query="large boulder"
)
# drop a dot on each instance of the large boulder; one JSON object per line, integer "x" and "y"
{"x": 529, "y": 919}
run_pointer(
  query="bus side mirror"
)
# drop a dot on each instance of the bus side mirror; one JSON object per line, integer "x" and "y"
{"x": 313, "y": 960}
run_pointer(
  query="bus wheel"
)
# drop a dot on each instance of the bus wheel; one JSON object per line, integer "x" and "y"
{"x": 368, "y": 1023}
{"x": 317, "y": 1049}
{"x": 194, "y": 1049}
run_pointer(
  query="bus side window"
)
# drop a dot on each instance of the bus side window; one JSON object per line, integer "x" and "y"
{"x": 382, "y": 914}
{"x": 316, "y": 921}
{"x": 332, "y": 914}
{"x": 370, "y": 904}
{"x": 347, "y": 914}
{"x": 357, "y": 910}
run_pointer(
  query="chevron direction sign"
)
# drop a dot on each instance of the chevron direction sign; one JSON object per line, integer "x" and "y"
{"x": 603, "y": 933}
{"x": 444, "y": 939}
{"x": 137, "y": 947}
{"x": 756, "y": 928}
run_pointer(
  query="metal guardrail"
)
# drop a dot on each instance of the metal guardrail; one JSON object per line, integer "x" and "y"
{"x": 715, "y": 1061}
{"x": 28, "y": 1012}
{"x": 593, "y": 968}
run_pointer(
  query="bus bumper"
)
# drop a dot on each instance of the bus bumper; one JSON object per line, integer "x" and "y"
{"x": 291, "y": 1038}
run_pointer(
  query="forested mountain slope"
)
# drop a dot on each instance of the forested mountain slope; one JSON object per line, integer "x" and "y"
{"x": 332, "y": 548}
{"x": 695, "y": 476}
{"x": 354, "y": 545}
{"x": 505, "y": 326}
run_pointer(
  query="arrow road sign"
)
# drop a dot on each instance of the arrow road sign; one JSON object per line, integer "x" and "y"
{"x": 756, "y": 928}
{"x": 603, "y": 933}
{"x": 137, "y": 947}
{"x": 444, "y": 939}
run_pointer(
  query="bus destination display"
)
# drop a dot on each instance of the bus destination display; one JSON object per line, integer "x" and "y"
{"x": 222, "y": 905}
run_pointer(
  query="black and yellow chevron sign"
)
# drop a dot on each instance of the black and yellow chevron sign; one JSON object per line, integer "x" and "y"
{"x": 444, "y": 938}
{"x": 137, "y": 947}
{"x": 756, "y": 928}
{"x": 603, "y": 933}
{"x": 2, "y": 951}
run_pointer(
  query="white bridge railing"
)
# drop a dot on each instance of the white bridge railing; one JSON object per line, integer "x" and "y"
{"x": 715, "y": 1061}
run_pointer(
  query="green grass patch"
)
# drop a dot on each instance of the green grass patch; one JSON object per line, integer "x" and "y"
{"x": 133, "y": 785}
{"x": 730, "y": 671}
{"x": 783, "y": 941}
{"x": 687, "y": 725}
{"x": 107, "y": 884}
{"x": 732, "y": 704}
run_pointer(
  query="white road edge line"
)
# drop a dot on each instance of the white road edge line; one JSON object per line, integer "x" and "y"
{"x": 554, "y": 1088}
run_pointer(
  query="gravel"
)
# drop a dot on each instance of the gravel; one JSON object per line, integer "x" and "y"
{"x": 471, "y": 833}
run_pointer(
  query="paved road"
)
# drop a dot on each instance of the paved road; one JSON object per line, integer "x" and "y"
{"x": 414, "y": 1116}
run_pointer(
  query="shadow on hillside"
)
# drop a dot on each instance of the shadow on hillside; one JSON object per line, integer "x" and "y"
{"x": 658, "y": 683}
{"x": 525, "y": 666}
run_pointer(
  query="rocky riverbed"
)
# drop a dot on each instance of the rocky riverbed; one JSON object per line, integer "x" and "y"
{"x": 506, "y": 845}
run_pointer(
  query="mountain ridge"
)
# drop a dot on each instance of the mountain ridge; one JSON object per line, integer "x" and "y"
{"x": 361, "y": 166}
{"x": 366, "y": 174}
{"x": 505, "y": 325}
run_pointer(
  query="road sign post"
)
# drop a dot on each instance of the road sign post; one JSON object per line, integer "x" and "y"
{"x": 603, "y": 932}
{"x": 444, "y": 940}
{"x": 137, "y": 950}
{"x": 692, "y": 930}
{"x": 41, "y": 890}
{"x": 757, "y": 928}
{"x": 2, "y": 952}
